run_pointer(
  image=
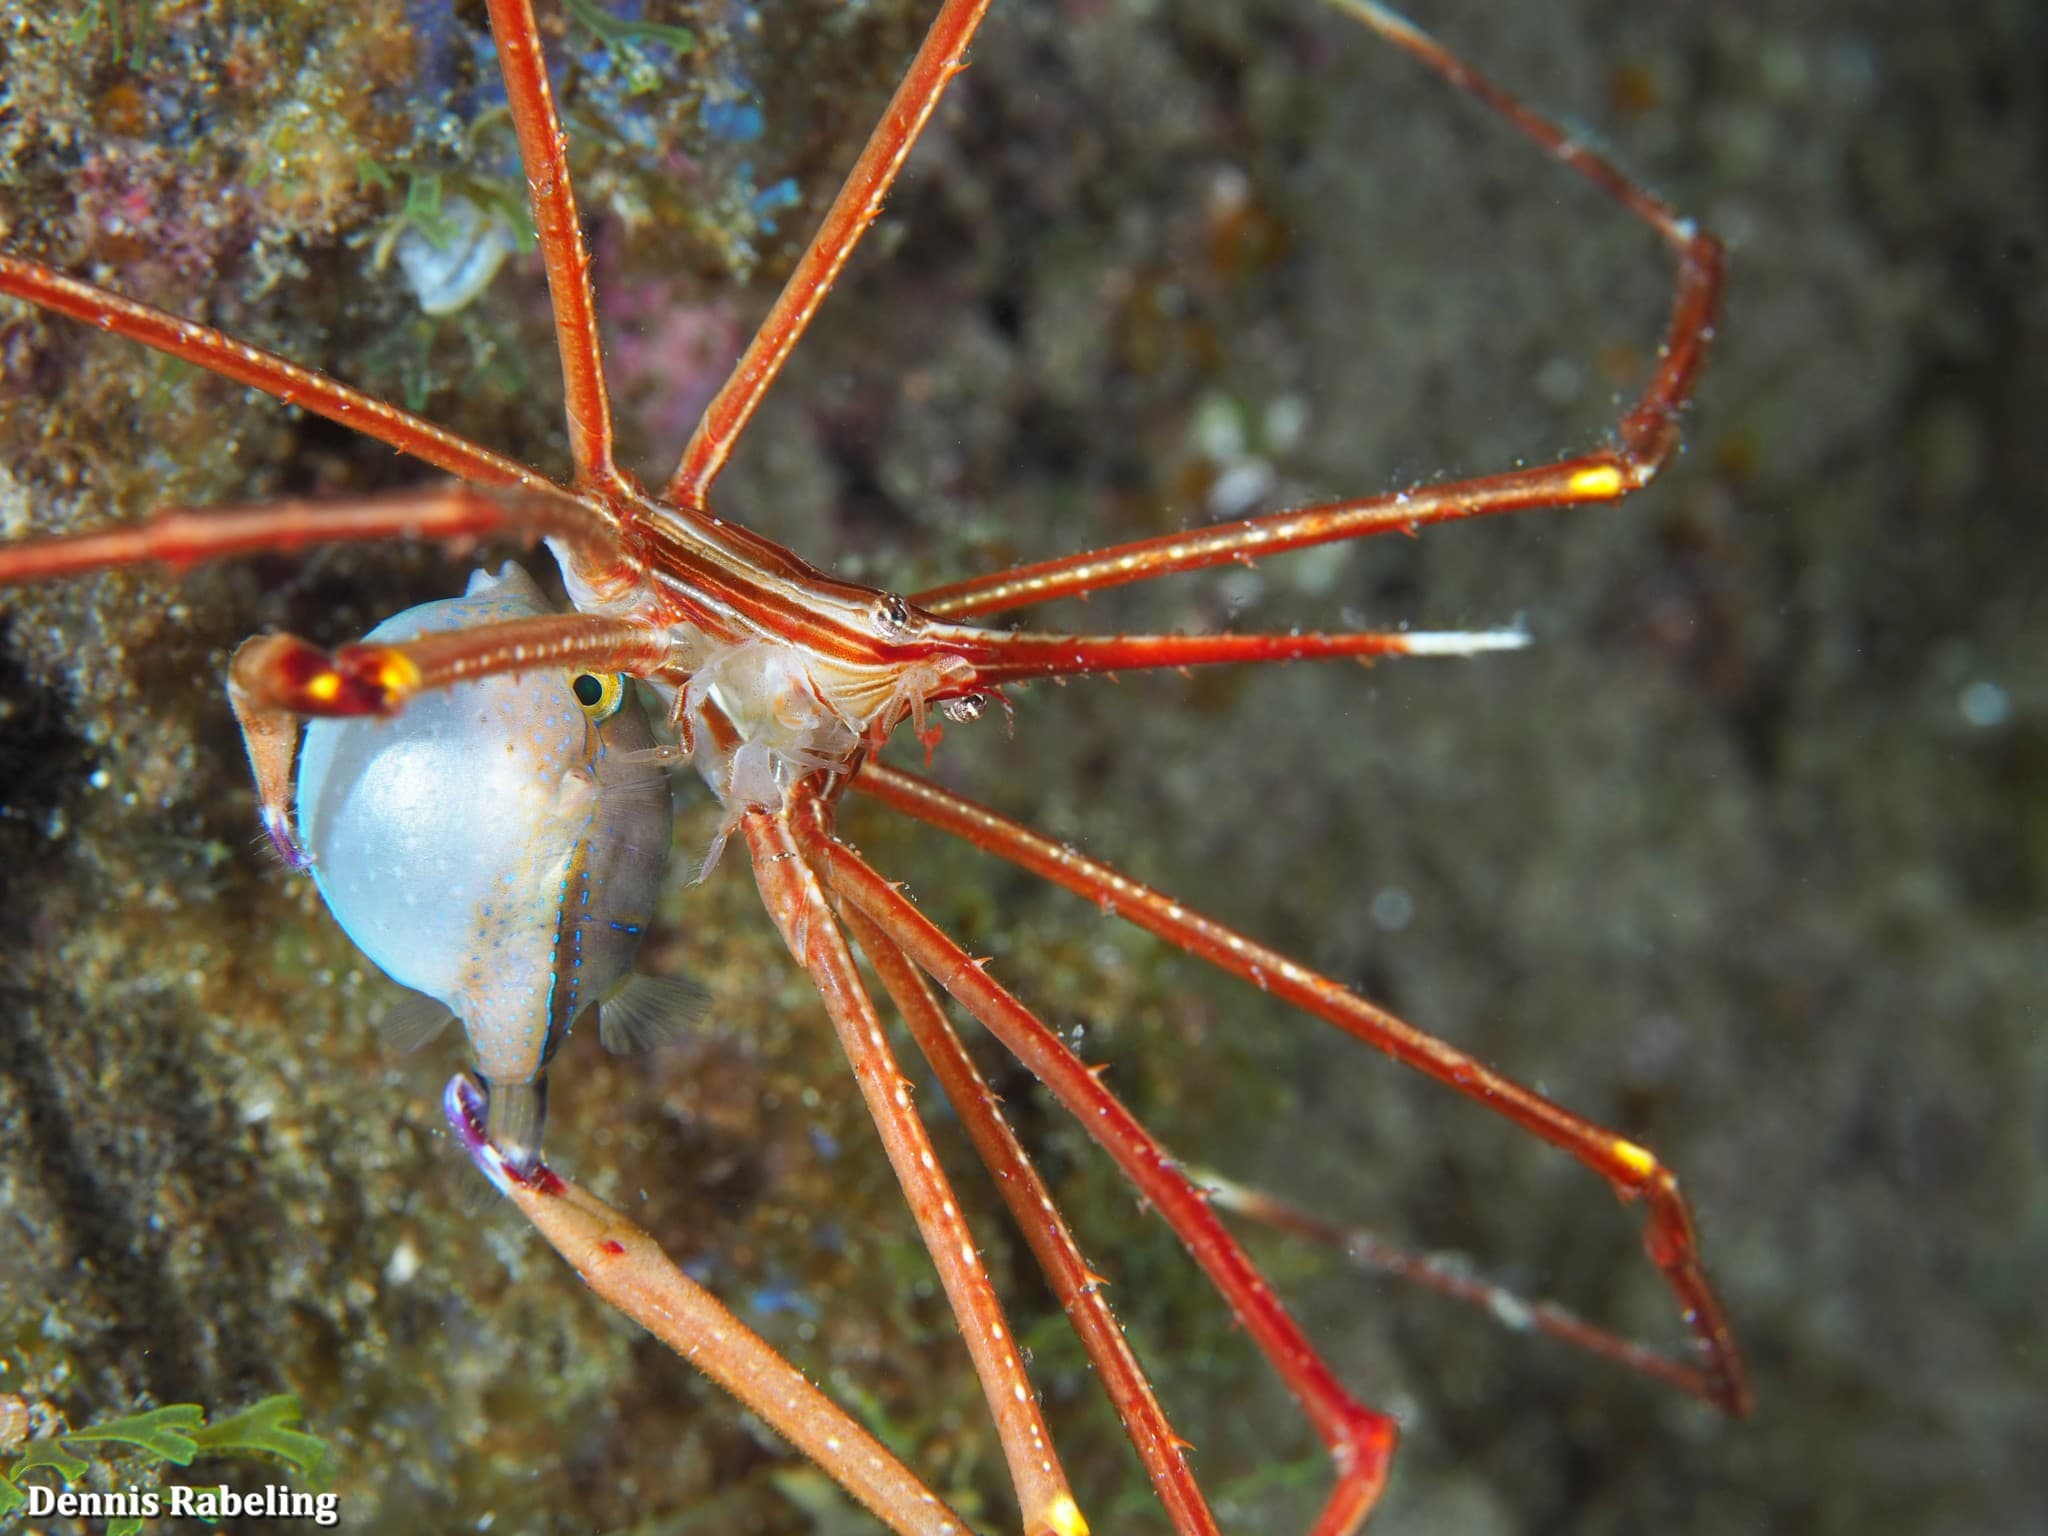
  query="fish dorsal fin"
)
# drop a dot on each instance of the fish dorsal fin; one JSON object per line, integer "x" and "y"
{"x": 414, "y": 1020}
{"x": 645, "y": 1011}
{"x": 508, "y": 581}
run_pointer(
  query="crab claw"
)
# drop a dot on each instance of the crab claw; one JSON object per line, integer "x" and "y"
{"x": 513, "y": 1116}
{"x": 466, "y": 1103}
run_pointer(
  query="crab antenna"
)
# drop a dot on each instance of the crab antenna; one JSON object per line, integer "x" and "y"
{"x": 543, "y": 152}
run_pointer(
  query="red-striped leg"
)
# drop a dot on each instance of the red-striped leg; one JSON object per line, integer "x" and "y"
{"x": 1000, "y": 658}
{"x": 1360, "y": 1441}
{"x": 207, "y": 348}
{"x": 791, "y": 891}
{"x": 1077, "y": 1288}
{"x": 370, "y": 677}
{"x": 544, "y": 154}
{"x": 941, "y": 56}
{"x": 1449, "y": 1275}
{"x": 1644, "y": 438}
{"x": 180, "y": 538}
{"x": 277, "y": 680}
{"x": 629, "y": 1272}
{"x": 1601, "y": 476}
{"x": 1631, "y": 1170}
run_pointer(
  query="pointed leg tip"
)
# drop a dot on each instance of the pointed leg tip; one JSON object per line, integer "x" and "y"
{"x": 465, "y": 1103}
{"x": 285, "y": 842}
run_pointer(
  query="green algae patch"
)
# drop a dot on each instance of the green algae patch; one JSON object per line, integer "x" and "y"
{"x": 176, "y": 1434}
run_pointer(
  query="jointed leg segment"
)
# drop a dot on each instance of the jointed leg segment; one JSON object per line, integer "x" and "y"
{"x": 1632, "y": 1171}
{"x": 791, "y": 891}
{"x": 1078, "y": 1289}
{"x": 1449, "y": 1277}
{"x": 942, "y": 55}
{"x": 628, "y": 1271}
{"x": 207, "y": 348}
{"x": 543, "y": 151}
{"x": 1017, "y": 655}
{"x": 1645, "y": 437}
{"x": 179, "y": 539}
{"x": 275, "y": 681}
{"x": 1360, "y": 1441}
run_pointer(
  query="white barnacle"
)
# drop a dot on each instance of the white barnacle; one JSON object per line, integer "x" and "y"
{"x": 446, "y": 273}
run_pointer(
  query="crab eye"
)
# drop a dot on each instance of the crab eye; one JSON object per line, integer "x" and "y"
{"x": 598, "y": 694}
{"x": 892, "y": 616}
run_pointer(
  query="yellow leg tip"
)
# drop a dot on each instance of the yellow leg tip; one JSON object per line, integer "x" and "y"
{"x": 1063, "y": 1517}
{"x": 1592, "y": 484}
{"x": 397, "y": 675}
{"x": 1639, "y": 1161}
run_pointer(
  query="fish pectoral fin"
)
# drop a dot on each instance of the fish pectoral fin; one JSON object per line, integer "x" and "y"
{"x": 645, "y": 1011}
{"x": 414, "y": 1020}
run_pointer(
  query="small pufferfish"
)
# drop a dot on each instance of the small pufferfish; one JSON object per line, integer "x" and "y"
{"x": 498, "y": 846}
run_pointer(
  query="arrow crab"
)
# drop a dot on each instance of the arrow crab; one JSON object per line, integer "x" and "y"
{"x": 780, "y": 684}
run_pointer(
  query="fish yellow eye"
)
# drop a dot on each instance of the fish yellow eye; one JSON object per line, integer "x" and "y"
{"x": 599, "y": 694}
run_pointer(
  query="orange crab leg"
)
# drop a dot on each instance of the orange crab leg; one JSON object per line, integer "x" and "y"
{"x": 1601, "y": 476}
{"x": 942, "y": 55}
{"x": 1632, "y": 1170}
{"x": 791, "y": 891}
{"x": 277, "y": 680}
{"x": 181, "y": 538}
{"x": 629, "y": 1272}
{"x": 1450, "y": 1277}
{"x": 1645, "y": 437}
{"x": 1004, "y": 658}
{"x": 1077, "y": 1288}
{"x": 1360, "y": 1440}
{"x": 544, "y": 153}
{"x": 207, "y": 348}
{"x": 369, "y": 677}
